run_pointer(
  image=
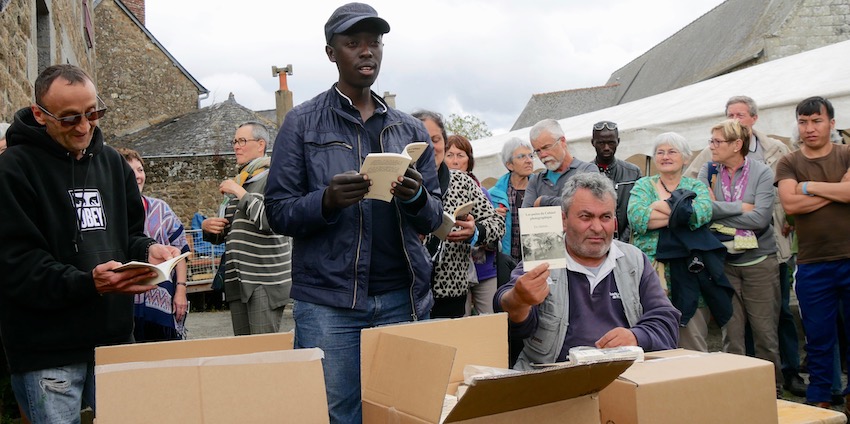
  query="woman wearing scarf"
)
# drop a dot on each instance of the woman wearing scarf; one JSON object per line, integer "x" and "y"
{"x": 258, "y": 264}
{"x": 160, "y": 314}
{"x": 742, "y": 195}
{"x": 451, "y": 258}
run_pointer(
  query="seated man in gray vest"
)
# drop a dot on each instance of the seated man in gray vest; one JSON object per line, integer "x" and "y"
{"x": 608, "y": 296}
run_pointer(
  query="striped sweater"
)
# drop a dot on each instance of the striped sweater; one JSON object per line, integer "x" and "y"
{"x": 255, "y": 255}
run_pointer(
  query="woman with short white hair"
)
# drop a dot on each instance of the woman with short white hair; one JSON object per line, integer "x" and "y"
{"x": 509, "y": 191}
{"x": 649, "y": 213}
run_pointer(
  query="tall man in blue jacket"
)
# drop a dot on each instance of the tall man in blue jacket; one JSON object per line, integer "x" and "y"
{"x": 356, "y": 263}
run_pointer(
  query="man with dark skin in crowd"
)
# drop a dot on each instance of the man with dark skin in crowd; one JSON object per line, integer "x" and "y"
{"x": 606, "y": 138}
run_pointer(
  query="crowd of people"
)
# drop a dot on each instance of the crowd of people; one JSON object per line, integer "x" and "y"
{"x": 651, "y": 259}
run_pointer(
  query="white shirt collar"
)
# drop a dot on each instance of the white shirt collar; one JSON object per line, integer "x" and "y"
{"x": 606, "y": 268}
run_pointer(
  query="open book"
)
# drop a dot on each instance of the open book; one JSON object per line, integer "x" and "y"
{"x": 449, "y": 220}
{"x": 385, "y": 168}
{"x": 542, "y": 236}
{"x": 163, "y": 270}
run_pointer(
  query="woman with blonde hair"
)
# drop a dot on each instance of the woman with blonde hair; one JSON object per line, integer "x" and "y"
{"x": 742, "y": 199}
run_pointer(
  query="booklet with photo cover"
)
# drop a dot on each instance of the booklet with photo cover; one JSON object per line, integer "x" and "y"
{"x": 163, "y": 270}
{"x": 542, "y": 237}
{"x": 449, "y": 220}
{"x": 385, "y": 168}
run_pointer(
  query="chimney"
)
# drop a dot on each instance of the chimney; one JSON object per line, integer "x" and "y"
{"x": 283, "y": 97}
{"x": 390, "y": 99}
{"x": 137, "y": 7}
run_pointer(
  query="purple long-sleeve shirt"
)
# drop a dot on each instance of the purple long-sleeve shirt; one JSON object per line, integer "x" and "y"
{"x": 594, "y": 314}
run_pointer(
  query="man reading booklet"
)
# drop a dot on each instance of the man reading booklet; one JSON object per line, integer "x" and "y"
{"x": 383, "y": 169}
{"x": 608, "y": 295}
{"x": 162, "y": 270}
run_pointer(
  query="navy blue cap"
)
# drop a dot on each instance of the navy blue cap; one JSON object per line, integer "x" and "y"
{"x": 346, "y": 16}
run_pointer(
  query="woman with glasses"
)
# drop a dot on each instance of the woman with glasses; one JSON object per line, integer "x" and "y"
{"x": 509, "y": 191}
{"x": 649, "y": 213}
{"x": 742, "y": 199}
{"x": 482, "y": 287}
{"x": 154, "y": 320}
{"x": 451, "y": 258}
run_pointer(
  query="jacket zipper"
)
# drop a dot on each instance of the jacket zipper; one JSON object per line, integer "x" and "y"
{"x": 360, "y": 231}
{"x": 403, "y": 244}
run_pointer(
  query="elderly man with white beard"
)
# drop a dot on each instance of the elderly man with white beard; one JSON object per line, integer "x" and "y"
{"x": 550, "y": 146}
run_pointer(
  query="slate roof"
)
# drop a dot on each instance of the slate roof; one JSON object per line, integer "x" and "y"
{"x": 565, "y": 104}
{"x": 724, "y": 39}
{"x": 729, "y": 37}
{"x": 206, "y": 131}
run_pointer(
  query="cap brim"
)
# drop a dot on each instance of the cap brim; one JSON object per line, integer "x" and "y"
{"x": 381, "y": 26}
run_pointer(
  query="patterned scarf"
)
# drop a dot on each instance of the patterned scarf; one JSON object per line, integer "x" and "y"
{"x": 248, "y": 172}
{"x": 733, "y": 192}
{"x": 252, "y": 169}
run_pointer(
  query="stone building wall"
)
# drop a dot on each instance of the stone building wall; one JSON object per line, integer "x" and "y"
{"x": 64, "y": 42}
{"x": 189, "y": 184}
{"x": 814, "y": 23}
{"x": 138, "y": 81}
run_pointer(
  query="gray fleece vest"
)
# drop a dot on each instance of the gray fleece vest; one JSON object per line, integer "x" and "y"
{"x": 553, "y": 315}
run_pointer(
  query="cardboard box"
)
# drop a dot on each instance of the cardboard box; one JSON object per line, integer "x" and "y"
{"x": 408, "y": 369}
{"x": 798, "y": 413}
{"x": 225, "y": 380}
{"x": 681, "y": 386}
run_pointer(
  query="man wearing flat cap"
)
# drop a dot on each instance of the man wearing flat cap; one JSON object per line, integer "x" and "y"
{"x": 357, "y": 263}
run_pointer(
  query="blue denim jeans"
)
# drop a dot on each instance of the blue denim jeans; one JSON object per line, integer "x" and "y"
{"x": 55, "y": 395}
{"x": 822, "y": 288}
{"x": 337, "y": 332}
{"x": 789, "y": 347}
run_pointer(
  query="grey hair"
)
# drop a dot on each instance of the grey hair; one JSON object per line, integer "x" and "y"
{"x": 676, "y": 140}
{"x": 510, "y": 146}
{"x": 598, "y": 184}
{"x": 550, "y": 126}
{"x": 3, "y": 127}
{"x": 258, "y": 131}
{"x": 751, "y": 104}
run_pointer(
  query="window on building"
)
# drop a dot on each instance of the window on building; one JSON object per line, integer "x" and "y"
{"x": 43, "y": 34}
{"x": 88, "y": 28}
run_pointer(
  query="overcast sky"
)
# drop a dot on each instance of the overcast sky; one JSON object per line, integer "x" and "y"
{"x": 482, "y": 58}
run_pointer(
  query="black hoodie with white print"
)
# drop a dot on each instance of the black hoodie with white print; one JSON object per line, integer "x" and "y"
{"x": 60, "y": 217}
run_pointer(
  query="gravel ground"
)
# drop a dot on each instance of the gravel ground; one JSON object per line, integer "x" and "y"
{"x": 204, "y": 325}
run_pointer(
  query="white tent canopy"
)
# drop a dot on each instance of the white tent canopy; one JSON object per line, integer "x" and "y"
{"x": 691, "y": 111}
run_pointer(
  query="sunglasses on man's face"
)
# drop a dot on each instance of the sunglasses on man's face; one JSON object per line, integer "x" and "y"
{"x": 74, "y": 120}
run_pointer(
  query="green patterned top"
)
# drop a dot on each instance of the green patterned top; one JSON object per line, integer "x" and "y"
{"x": 644, "y": 194}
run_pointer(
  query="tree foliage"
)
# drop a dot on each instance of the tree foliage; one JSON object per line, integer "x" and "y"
{"x": 468, "y": 126}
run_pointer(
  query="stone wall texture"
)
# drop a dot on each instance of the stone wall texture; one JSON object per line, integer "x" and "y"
{"x": 815, "y": 23}
{"x": 137, "y": 80}
{"x": 189, "y": 184}
{"x": 65, "y": 43}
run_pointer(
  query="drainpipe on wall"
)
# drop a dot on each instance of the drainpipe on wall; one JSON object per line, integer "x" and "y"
{"x": 283, "y": 97}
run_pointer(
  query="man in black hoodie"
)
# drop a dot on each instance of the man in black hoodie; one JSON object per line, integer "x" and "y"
{"x": 71, "y": 213}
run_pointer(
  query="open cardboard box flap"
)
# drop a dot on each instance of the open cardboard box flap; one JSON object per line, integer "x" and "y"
{"x": 494, "y": 395}
{"x": 394, "y": 390}
{"x": 179, "y": 349}
{"x": 226, "y": 380}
